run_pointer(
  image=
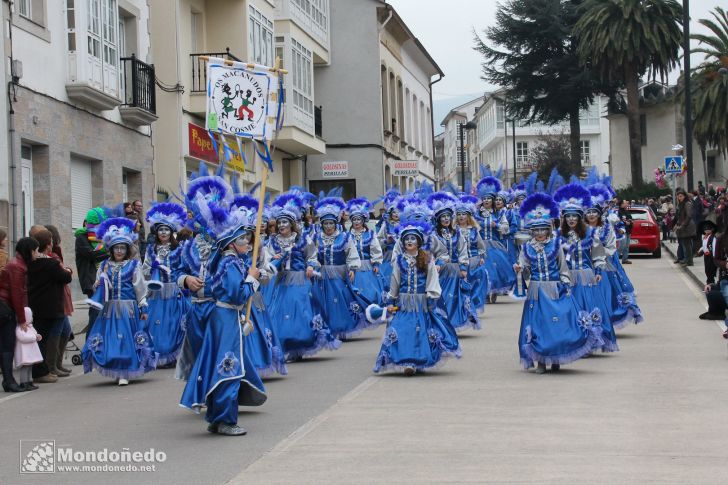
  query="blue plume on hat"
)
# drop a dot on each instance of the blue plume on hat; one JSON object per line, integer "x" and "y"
{"x": 117, "y": 230}
{"x": 440, "y": 202}
{"x": 359, "y": 207}
{"x": 167, "y": 214}
{"x": 244, "y": 202}
{"x": 555, "y": 181}
{"x": 420, "y": 228}
{"x": 538, "y": 210}
{"x": 412, "y": 207}
{"x": 506, "y": 195}
{"x": 288, "y": 205}
{"x": 573, "y": 198}
{"x": 488, "y": 187}
{"x": 468, "y": 204}
{"x": 330, "y": 208}
{"x": 600, "y": 195}
{"x": 391, "y": 198}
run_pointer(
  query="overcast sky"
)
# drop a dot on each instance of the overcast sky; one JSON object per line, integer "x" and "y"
{"x": 446, "y": 31}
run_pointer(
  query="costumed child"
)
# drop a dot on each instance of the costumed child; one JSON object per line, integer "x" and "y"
{"x": 585, "y": 257}
{"x": 493, "y": 224}
{"x": 368, "y": 285}
{"x": 167, "y": 306}
{"x": 301, "y": 330}
{"x": 707, "y": 230}
{"x": 386, "y": 233}
{"x": 337, "y": 260}
{"x": 223, "y": 376}
{"x": 622, "y": 303}
{"x": 118, "y": 343}
{"x": 453, "y": 265}
{"x": 470, "y": 233}
{"x": 27, "y": 351}
{"x": 262, "y": 345}
{"x": 418, "y": 336}
{"x": 553, "y": 330}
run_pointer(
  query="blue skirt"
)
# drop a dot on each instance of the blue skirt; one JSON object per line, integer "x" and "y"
{"x": 369, "y": 287}
{"x": 262, "y": 345}
{"x": 455, "y": 298}
{"x": 479, "y": 283}
{"x": 302, "y": 331}
{"x": 168, "y": 309}
{"x": 223, "y": 376}
{"x": 553, "y": 330}
{"x": 500, "y": 269}
{"x": 334, "y": 301}
{"x": 195, "y": 325}
{"x": 417, "y": 337}
{"x": 623, "y": 305}
{"x": 118, "y": 344}
{"x": 589, "y": 298}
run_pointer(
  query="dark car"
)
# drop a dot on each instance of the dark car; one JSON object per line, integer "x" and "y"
{"x": 645, "y": 237}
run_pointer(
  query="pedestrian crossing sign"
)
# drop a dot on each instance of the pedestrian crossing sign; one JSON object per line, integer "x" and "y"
{"x": 673, "y": 164}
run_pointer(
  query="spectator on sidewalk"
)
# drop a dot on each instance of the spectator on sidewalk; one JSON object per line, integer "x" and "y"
{"x": 720, "y": 258}
{"x": 64, "y": 332}
{"x": 13, "y": 300}
{"x": 141, "y": 231}
{"x": 46, "y": 280}
{"x": 90, "y": 252}
{"x": 707, "y": 249}
{"x": 684, "y": 228}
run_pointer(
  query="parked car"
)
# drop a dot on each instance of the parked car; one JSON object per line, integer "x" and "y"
{"x": 645, "y": 237}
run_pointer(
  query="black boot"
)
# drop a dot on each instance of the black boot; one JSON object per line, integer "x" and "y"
{"x": 9, "y": 384}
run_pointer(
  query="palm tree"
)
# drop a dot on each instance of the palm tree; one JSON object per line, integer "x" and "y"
{"x": 625, "y": 39}
{"x": 710, "y": 84}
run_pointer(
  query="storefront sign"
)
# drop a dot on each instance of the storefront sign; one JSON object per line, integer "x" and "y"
{"x": 406, "y": 168}
{"x": 335, "y": 169}
{"x": 201, "y": 147}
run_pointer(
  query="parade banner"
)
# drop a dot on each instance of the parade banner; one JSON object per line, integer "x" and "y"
{"x": 242, "y": 99}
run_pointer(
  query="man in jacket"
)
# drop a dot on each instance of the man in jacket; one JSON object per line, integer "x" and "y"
{"x": 89, "y": 254}
{"x": 684, "y": 227}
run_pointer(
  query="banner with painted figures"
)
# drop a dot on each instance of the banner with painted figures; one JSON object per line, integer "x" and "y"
{"x": 242, "y": 100}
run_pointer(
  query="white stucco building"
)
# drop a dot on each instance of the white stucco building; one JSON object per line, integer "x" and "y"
{"x": 452, "y": 159}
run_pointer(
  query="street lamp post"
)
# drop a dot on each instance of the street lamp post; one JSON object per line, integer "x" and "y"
{"x": 462, "y": 127}
{"x": 505, "y": 129}
{"x": 688, "y": 100}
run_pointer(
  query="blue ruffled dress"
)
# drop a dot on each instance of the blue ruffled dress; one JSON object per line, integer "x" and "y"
{"x": 419, "y": 336}
{"x": 500, "y": 269}
{"x": 223, "y": 376}
{"x": 368, "y": 287}
{"x": 302, "y": 331}
{"x": 118, "y": 344}
{"x": 262, "y": 345}
{"x": 195, "y": 259}
{"x": 553, "y": 329}
{"x": 580, "y": 258}
{"x": 168, "y": 307}
{"x": 478, "y": 276}
{"x": 332, "y": 293}
{"x": 455, "y": 298}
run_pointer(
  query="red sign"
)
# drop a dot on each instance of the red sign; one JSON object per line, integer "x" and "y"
{"x": 200, "y": 144}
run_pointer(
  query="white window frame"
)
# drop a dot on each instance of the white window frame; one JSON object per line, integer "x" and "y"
{"x": 25, "y": 9}
{"x": 260, "y": 47}
{"x": 522, "y": 153}
{"x": 93, "y": 30}
{"x": 302, "y": 76}
{"x": 585, "y": 151}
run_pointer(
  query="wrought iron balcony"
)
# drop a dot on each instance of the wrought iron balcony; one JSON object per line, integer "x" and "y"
{"x": 139, "y": 104}
{"x": 199, "y": 68}
{"x": 318, "y": 125}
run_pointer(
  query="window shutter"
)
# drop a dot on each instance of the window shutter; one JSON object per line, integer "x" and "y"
{"x": 80, "y": 191}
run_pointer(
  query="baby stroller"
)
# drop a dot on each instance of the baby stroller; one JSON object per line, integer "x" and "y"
{"x": 73, "y": 352}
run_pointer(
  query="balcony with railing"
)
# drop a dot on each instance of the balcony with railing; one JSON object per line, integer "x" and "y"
{"x": 137, "y": 92}
{"x": 198, "y": 68}
{"x": 310, "y": 16}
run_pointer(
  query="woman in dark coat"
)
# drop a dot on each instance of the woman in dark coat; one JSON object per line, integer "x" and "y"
{"x": 685, "y": 227}
{"x": 46, "y": 281}
{"x": 13, "y": 300}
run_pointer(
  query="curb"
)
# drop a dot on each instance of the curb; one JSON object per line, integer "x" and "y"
{"x": 692, "y": 275}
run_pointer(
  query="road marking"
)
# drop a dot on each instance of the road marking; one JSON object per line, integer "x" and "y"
{"x": 286, "y": 443}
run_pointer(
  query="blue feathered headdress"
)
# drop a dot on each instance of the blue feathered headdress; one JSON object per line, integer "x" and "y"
{"x": 573, "y": 199}
{"x": 359, "y": 207}
{"x": 538, "y": 210}
{"x": 505, "y": 195}
{"x": 419, "y": 228}
{"x": 441, "y": 202}
{"x": 288, "y": 205}
{"x": 117, "y": 230}
{"x": 600, "y": 196}
{"x": 330, "y": 208}
{"x": 167, "y": 214}
{"x": 414, "y": 208}
{"x": 488, "y": 187}
{"x": 467, "y": 204}
{"x": 244, "y": 202}
{"x": 391, "y": 198}
{"x": 519, "y": 191}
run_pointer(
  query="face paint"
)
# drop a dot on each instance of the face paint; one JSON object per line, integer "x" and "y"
{"x": 244, "y": 239}
{"x": 394, "y": 215}
{"x": 499, "y": 203}
{"x": 571, "y": 219}
{"x": 329, "y": 227}
{"x": 592, "y": 215}
{"x": 119, "y": 251}
{"x": 164, "y": 233}
{"x": 462, "y": 217}
{"x": 410, "y": 241}
{"x": 284, "y": 226}
{"x": 357, "y": 222}
{"x": 488, "y": 203}
{"x": 445, "y": 220}
{"x": 541, "y": 233}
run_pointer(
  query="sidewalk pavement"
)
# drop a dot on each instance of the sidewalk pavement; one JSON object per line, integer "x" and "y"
{"x": 695, "y": 272}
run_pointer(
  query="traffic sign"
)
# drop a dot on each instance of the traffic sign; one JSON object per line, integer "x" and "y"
{"x": 673, "y": 164}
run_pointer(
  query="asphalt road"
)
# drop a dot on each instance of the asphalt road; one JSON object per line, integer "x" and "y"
{"x": 652, "y": 412}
